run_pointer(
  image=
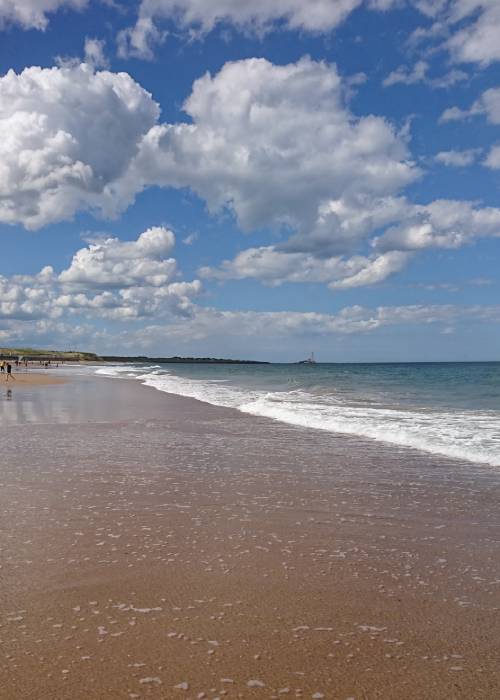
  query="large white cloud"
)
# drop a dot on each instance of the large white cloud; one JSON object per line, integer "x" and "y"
{"x": 276, "y": 144}
{"x": 32, "y": 14}
{"x": 282, "y": 150}
{"x": 67, "y": 137}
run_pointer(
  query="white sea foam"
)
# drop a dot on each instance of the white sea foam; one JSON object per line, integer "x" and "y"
{"x": 467, "y": 435}
{"x": 460, "y": 435}
{"x": 124, "y": 370}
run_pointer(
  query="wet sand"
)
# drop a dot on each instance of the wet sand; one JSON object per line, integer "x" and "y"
{"x": 157, "y": 547}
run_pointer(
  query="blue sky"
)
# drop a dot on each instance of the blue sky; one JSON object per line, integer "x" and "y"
{"x": 251, "y": 179}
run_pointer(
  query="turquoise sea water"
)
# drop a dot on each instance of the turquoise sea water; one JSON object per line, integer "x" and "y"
{"x": 452, "y": 409}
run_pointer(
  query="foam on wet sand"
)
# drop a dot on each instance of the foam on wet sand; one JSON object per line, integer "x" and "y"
{"x": 156, "y": 547}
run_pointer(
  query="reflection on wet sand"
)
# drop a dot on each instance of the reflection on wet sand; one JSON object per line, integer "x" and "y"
{"x": 80, "y": 400}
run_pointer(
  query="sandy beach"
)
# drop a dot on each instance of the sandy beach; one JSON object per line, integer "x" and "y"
{"x": 30, "y": 378}
{"x": 158, "y": 547}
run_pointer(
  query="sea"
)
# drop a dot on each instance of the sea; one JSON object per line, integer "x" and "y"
{"x": 450, "y": 409}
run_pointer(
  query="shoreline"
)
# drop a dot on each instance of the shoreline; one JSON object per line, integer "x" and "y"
{"x": 65, "y": 375}
{"x": 153, "y": 541}
{"x": 374, "y": 440}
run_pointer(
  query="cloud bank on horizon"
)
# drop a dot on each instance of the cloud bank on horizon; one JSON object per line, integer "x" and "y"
{"x": 285, "y": 152}
{"x": 118, "y": 281}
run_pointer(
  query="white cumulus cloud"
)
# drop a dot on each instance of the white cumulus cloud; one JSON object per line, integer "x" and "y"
{"x": 67, "y": 137}
{"x": 275, "y": 144}
{"x": 114, "y": 263}
{"x": 278, "y": 146}
{"x": 395, "y": 228}
{"x": 375, "y": 270}
{"x": 110, "y": 278}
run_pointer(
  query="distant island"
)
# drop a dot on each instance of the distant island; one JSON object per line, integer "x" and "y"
{"x": 78, "y": 356}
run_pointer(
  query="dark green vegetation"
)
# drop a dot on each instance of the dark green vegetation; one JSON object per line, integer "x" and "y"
{"x": 61, "y": 355}
{"x": 77, "y": 356}
{"x": 164, "y": 360}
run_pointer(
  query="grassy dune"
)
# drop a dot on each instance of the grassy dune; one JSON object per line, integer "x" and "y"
{"x": 74, "y": 355}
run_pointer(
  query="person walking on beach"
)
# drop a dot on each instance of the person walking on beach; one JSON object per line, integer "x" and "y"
{"x": 9, "y": 372}
{"x": 2, "y": 366}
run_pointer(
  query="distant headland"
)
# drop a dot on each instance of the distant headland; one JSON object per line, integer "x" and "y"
{"x": 52, "y": 355}
{"x": 176, "y": 359}
{"x": 78, "y": 356}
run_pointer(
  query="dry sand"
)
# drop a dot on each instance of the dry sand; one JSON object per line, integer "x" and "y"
{"x": 22, "y": 378}
{"x": 156, "y": 547}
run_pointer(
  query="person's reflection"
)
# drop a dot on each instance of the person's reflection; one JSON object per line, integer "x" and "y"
{"x": 9, "y": 394}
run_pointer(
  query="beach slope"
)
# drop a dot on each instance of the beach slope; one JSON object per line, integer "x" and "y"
{"x": 157, "y": 547}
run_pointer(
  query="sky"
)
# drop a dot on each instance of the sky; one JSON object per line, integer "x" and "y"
{"x": 251, "y": 180}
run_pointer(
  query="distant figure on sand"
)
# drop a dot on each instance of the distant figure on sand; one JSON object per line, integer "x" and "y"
{"x": 9, "y": 372}
{"x": 2, "y": 366}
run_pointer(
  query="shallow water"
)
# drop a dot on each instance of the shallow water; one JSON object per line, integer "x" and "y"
{"x": 449, "y": 409}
